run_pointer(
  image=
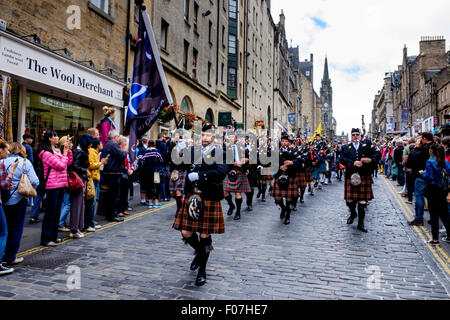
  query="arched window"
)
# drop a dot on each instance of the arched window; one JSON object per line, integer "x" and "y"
{"x": 209, "y": 116}
{"x": 186, "y": 105}
{"x": 174, "y": 99}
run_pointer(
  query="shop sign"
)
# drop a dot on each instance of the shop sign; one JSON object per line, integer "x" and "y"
{"x": 19, "y": 58}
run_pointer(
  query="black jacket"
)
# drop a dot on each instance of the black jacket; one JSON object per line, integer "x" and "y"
{"x": 290, "y": 154}
{"x": 417, "y": 158}
{"x": 211, "y": 175}
{"x": 398, "y": 155}
{"x": 116, "y": 161}
{"x": 80, "y": 163}
{"x": 350, "y": 155}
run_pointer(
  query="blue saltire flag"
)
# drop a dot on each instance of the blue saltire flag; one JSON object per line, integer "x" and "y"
{"x": 149, "y": 91}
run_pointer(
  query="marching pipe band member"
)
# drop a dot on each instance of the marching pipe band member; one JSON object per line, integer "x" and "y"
{"x": 201, "y": 210}
{"x": 264, "y": 173}
{"x": 285, "y": 184}
{"x": 236, "y": 180}
{"x": 252, "y": 173}
{"x": 357, "y": 157}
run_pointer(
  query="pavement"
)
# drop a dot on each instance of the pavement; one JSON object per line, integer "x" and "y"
{"x": 317, "y": 256}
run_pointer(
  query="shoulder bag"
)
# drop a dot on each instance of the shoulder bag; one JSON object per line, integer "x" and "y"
{"x": 25, "y": 188}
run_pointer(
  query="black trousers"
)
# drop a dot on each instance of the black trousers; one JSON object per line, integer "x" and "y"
{"x": 112, "y": 195}
{"x": 438, "y": 208}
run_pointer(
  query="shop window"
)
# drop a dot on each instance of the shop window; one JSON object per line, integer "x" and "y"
{"x": 64, "y": 117}
{"x": 186, "y": 105}
{"x": 102, "y": 5}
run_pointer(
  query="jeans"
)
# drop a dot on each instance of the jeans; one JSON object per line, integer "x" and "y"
{"x": 15, "y": 217}
{"x": 65, "y": 210}
{"x": 388, "y": 168}
{"x": 410, "y": 185}
{"x": 112, "y": 195}
{"x": 3, "y": 232}
{"x": 36, "y": 206}
{"x": 419, "y": 192}
{"x": 53, "y": 204}
{"x": 401, "y": 175}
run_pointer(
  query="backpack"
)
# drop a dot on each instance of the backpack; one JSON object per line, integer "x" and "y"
{"x": 443, "y": 180}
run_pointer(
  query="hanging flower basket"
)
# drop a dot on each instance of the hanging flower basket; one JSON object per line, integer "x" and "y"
{"x": 167, "y": 114}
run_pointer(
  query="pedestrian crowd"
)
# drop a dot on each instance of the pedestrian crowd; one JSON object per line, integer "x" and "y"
{"x": 67, "y": 177}
{"x": 420, "y": 165}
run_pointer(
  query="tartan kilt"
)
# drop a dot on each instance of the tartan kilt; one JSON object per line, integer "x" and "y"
{"x": 291, "y": 192}
{"x": 301, "y": 179}
{"x": 240, "y": 186}
{"x": 179, "y": 184}
{"x": 363, "y": 192}
{"x": 308, "y": 175}
{"x": 265, "y": 175}
{"x": 210, "y": 222}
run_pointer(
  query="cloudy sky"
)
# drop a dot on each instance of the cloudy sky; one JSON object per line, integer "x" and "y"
{"x": 363, "y": 40}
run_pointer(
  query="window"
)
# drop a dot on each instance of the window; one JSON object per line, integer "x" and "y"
{"x": 186, "y": 10}
{"x": 233, "y": 9}
{"x": 195, "y": 15}
{"x": 209, "y": 116}
{"x": 185, "y": 55}
{"x": 232, "y": 77}
{"x": 210, "y": 31}
{"x": 209, "y": 73}
{"x": 223, "y": 36}
{"x": 164, "y": 33}
{"x": 232, "y": 44}
{"x": 186, "y": 105}
{"x": 101, "y": 4}
{"x": 223, "y": 70}
{"x": 194, "y": 63}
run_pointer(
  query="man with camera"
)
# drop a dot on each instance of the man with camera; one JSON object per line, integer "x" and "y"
{"x": 357, "y": 157}
{"x": 201, "y": 210}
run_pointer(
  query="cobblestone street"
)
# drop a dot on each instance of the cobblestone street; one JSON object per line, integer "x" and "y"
{"x": 317, "y": 256}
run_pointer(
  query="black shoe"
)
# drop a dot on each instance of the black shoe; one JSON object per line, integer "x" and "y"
{"x": 250, "y": 208}
{"x": 116, "y": 219}
{"x": 230, "y": 211}
{"x": 301, "y": 200}
{"x": 237, "y": 216}
{"x": 351, "y": 219}
{"x": 415, "y": 223}
{"x": 362, "y": 228}
{"x": 196, "y": 262}
{"x": 34, "y": 220}
{"x": 263, "y": 199}
{"x": 294, "y": 209}
{"x": 259, "y": 194}
{"x": 311, "y": 194}
{"x": 201, "y": 278}
{"x": 287, "y": 220}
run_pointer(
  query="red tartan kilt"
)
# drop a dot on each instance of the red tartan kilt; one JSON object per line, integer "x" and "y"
{"x": 301, "y": 179}
{"x": 363, "y": 192}
{"x": 210, "y": 222}
{"x": 240, "y": 186}
{"x": 291, "y": 192}
{"x": 308, "y": 175}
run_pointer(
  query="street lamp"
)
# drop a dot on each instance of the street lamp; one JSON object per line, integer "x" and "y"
{"x": 91, "y": 63}
{"x": 36, "y": 39}
{"x": 66, "y": 51}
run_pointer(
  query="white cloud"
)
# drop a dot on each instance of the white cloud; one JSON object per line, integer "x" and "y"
{"x": 366, "y": 34}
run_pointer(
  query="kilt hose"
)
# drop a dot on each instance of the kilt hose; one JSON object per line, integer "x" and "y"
{"x": 211, "y": 221}
{"x": 178, "y": 185}
{"x": 290, "y": 194}
{"x": 301, "y": 179}
{"x": 363, "y": 192}
{"x": 308, "y": 175}
{"x": 240, "y": 186}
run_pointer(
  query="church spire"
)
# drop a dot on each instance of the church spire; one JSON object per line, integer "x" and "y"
{"x": 325, "y": 70}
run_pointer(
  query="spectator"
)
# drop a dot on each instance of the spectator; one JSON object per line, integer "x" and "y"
{"x": 164, "y": 167}
{"x": 398, "y": 160}
{"x": 151, "y": 160}
{"x": 94, "y": 133}
{"x": 27, "y": 142}
{"x": 418, "y": 158}
{"x": 446, "y": 145}
{"x": 77, "y": 206}
{"x": 388, "y": 159}
{"x": 142, "y": 145}
{"x": 16, "y": 207}
{"x": 437, "y": 197}
{"x": 94, "y": 167}
{"x": 39, "y": 169}
{"x": 408, "y": 170}
{"x": 65, "y": 207}
{"x": 128, "y": 169}
{"x": 107, "y": 124}
{"x": 5, "y": 185}
{"x": 178, "y": 170}
{"x": 112, "y": 173}
{"x": 56, "y": 162}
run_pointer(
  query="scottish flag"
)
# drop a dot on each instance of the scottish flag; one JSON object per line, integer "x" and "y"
{"x": 149, "y": 91}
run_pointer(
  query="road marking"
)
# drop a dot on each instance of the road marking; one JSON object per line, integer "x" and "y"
{"x": 104, "y": 227}
{"x": 421, "y": 231}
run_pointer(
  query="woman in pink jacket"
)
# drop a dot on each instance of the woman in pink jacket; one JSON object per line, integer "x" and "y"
{"x": 107, "y": 124}
{"x": 55, "y": 165}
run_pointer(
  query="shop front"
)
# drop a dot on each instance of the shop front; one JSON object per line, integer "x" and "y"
{"x": 50, "y": 91}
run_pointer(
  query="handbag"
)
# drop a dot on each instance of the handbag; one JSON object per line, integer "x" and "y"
{"x": 156, "y": 177}
{"x": 25, "y": 187}
{"x": 90, "y": 189}
{"x": 74, "y": 181}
